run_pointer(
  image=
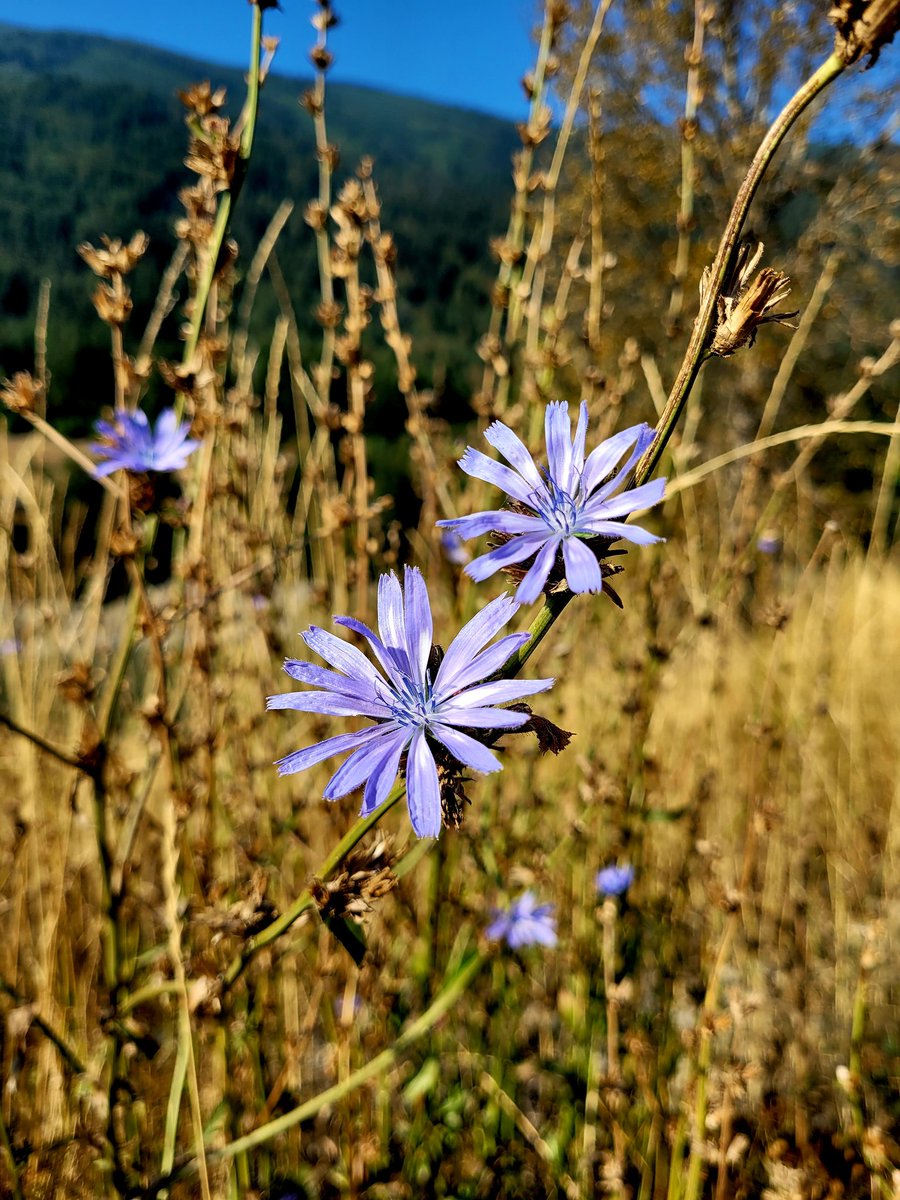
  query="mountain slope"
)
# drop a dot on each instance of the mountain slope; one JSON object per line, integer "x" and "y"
{"x": 92, "y": 141}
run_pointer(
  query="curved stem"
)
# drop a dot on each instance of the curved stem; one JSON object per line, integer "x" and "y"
{"x": 554, "y": 604}
{"x": 694, "y": 356}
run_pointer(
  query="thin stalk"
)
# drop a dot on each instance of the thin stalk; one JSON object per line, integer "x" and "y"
{"x": 36, "y": 739}
{"x": 442, "y": 1003}
{"x": 305, "y": 901}
{"x": 691, "y": 478}
{"x": 543, "y": 237}
{"x": 68, "y": 1055}
{"x": 186, "y": 1066}
{"x": 6, "y": 1147}
{"x": 889, "y": 474}
{"x": 515, "y": 233}
{"x": 685, "y": 221}
{"x": 857, "y": 1032}
{"x": 704, "y": 1059}
{"x": 229, "y": 198}
{"x": 554, "y": 604}
{"x": 595, "y": 275}
{"x": 69, "y": 449}
{"x": 696, "y": 351}
{"x": 325, "y": 160}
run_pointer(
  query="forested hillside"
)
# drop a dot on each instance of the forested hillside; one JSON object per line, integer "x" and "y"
{"x": 93, "y": 142}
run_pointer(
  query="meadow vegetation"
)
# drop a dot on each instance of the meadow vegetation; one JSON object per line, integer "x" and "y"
{"x": 215, "y": 983}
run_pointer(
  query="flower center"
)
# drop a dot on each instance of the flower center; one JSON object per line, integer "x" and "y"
{"x": 411, "y": 703}
{"x": 556, "y": 507}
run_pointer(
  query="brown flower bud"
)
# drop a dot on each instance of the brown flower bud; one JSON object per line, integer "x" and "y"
{"x": 201, "y": 99}
{"x": 330, "y": 156}
{"x": 115, "y": 258}
{"x": 311, "y": 102}
{"x": 76, "y": 685}
{"x": 21, "y": 393}
{"x": 113, "y": 305}
{"x": 315, "y": 215}
{"x": 744, "y": 305}
{"x": 124, "y": 543}
{"x": 863, "y": 27}
{"x": 321, "y": 58}
{"x": 329, "y": 315}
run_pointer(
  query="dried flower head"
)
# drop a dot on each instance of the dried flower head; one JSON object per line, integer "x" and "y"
{"x": 744, "y": 304}
{"x": 863, "y": 27}
{"x": 113, "y": 304}
{"x": 21, "y": 393}
{"x": 201, "y": 100}
{"x": 420, "y": 702}
{"x": 115, "y": 258}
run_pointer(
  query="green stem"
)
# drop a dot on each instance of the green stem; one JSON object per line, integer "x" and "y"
{"x": 554, "y": 604}
{"x": 695, "y": 354}
{"x": 305, "y": 901}
{"x": 442, "y": 1003}
{"x": 857, "y": 1033}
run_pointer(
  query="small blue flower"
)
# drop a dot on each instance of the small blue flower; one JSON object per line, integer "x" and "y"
{"x": 454, "y": 550}
{"x": 615, "y": 881}
{"x": 769, "y": 543}
{"x": 412, "y": 705}
{"x": 524, "y": 923}
{"x": 556, "y": 507}
{"x": 129, "y": 444}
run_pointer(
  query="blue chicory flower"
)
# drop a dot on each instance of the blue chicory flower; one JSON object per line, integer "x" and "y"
{"x": 571, "y": 499}
{"x": 412, "y": 706}
{"x": 454, "y": 550}
{"x": 524, "y": 923}
{"x": 129, "y": 444}
{"x": 768, "y": 543}
{"x": 615, "y": 881}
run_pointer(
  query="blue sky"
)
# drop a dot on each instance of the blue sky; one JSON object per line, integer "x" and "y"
{"x": 468, "y": 52}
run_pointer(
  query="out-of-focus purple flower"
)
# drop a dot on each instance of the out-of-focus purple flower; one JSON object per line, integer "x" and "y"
{"x": 413, "y": 705}
{"x": 524, "y": 923}
{"x": 556, "y": 507}
{"x": 454, "y": 549}
{"x": 129, "y": 444}
{"x": 769, "y": 543}
{"x": 615, "y": 881}
{"x": 9, "y": 646}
